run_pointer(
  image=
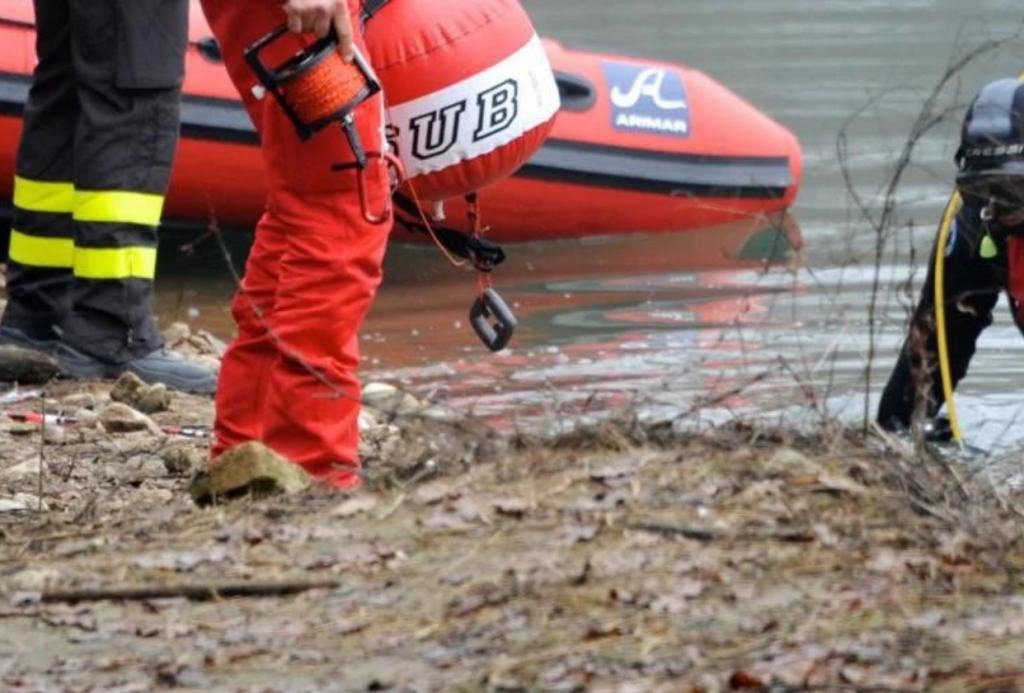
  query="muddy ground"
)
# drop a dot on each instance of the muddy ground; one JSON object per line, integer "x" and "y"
{"x": 624, "y": 558}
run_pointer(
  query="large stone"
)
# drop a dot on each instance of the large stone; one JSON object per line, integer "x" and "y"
{"x": 251, "y": 469}
{"x": 379, "y": 395}
{"x": 389, "y": 400}
{"x": 148, "y": 399}
{"x": 26, "y": 366}
{"x": 120, "y": 418}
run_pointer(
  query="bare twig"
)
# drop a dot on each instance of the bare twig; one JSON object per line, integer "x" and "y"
{"x": 193, "y": 592}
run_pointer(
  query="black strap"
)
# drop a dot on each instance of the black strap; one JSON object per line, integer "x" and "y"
{"x": 484, "y": 255}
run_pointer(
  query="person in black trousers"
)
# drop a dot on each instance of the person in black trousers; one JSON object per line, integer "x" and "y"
{"x": 100, "y": 132}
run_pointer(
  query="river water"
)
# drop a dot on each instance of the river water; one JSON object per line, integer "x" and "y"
{"x": 611, "y": 322}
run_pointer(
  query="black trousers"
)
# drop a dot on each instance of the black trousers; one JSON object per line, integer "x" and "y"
{"x": 972, "y": 286}
{"x": 100, "y": 131}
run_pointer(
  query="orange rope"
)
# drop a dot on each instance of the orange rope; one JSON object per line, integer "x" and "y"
{"x": 455, "y": 262}
{"x": 483, "y": 280}
{"x": 323, "y": 89}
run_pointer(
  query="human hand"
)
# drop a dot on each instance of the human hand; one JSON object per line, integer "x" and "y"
{"x": 320, "y": 17}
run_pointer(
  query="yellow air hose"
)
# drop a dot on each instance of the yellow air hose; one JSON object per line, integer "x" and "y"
{"x": 952, "y": 208}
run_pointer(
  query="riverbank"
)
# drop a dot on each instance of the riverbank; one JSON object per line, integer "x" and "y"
{"x": 627, "y": 557}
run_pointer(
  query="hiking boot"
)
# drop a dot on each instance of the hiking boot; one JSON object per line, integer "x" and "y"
{"x": 21, "y": 338}
{"x": 171, "y": 369}
{"x": 160, "y": 366}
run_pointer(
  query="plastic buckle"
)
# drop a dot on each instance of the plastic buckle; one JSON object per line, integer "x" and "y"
{"x": 490, "y": 305}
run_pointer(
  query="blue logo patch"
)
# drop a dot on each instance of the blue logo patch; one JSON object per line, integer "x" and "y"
{"x": 648, "y": 99}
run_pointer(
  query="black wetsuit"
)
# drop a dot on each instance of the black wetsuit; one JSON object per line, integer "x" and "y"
{"x": 972, "y": 289}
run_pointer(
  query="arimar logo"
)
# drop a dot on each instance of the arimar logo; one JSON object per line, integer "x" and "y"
{"x": 648, "y": 99}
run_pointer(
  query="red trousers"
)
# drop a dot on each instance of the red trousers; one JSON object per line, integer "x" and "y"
{"x": 289, "y": 378}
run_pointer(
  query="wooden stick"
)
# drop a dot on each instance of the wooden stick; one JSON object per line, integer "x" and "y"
{"x": 793, "y": 536}
{"x": 194, "y": 592}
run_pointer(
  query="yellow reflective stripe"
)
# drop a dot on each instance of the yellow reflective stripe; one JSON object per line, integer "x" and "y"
{"x": 37, "y": 251}
{"x": 119, "y": 206}
{"x": 42, "y": 196}
{"x": 115, "y": 263}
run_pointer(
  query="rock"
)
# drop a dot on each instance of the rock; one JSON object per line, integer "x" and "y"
{"x": 148, "y": 399}
{"x": 26, "y": 366}
{"x": 125, "y": 387}
{"x": 154, "y": 398}
{"x": 85, "y": 417}
{"x": 182, "y": 460}
{"x": 177, "y": 332}
{"x": 21, "y": 502}
{"x": 379, "y": 434}
{"x": 382, "y": 396}
{"x": 251, "y": 469}
{"x": 79, "y": 400}
{"x": 388, "y": 399}
{"x": 120, "y": 418}
{"x": 54, "y": 434}
{"x": 367, "y": 419}
{"x": 441, "y": 414}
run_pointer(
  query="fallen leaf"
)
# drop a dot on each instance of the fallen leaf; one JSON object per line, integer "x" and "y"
{"x": 743, "y": 681}
{"x": 928, "y": 620}
{"x": 437, "y": 491}
{"x": 355, "y": 506}
{"x": 512, "y": 507}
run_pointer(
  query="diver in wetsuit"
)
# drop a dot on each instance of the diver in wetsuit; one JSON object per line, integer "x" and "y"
{"x": 984, "y": 256}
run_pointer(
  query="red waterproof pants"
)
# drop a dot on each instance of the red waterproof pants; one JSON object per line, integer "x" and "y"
{"x": 289, "y": 378}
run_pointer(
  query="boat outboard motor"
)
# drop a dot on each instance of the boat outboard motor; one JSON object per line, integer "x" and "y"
{"x": 991, "y": 154}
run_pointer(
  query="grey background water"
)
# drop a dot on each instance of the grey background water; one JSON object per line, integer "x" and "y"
{"x": 746, "y": 339}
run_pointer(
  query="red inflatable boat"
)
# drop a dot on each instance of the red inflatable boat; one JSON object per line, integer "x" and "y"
{"x": 639, "y": 146}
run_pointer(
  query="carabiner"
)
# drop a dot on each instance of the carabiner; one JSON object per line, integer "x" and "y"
{"x": 396, "y": 174}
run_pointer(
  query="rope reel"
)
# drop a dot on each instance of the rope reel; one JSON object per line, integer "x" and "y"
{"x": 315, "y": 87}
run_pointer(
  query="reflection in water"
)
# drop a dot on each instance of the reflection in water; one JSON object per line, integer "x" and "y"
{"x": 662, "y": 320}
{"x": 651, "y": 320}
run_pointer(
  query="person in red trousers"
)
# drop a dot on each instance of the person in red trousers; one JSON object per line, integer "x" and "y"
{"x": 289, "y": 378}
